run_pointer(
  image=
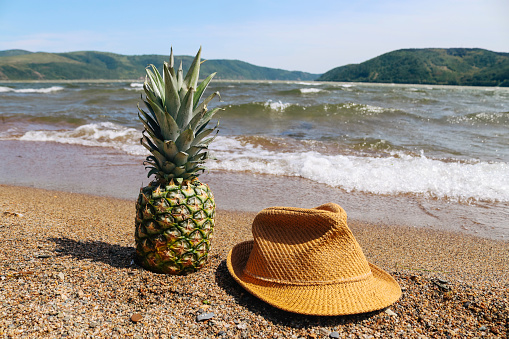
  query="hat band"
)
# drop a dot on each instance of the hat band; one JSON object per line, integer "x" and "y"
{"x": 310, "y": 282}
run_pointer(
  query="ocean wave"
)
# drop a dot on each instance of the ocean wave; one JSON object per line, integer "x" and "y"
{"x": 366, "y": 109}
{"x": 135, "y": 86}
{"x": 301, "y": 91}
{"x": 488, "y": 118}
{"x": 337, "y": 86}
{"x": 313, "y": 111}
{"x": 277, "y": 106}
{"x": 310, "y": 90}
{"x": 309, "y": 83}
{"x": 104, "y": 134}
{"x": 31, "y": 90}
{"x": 397, "y": 174}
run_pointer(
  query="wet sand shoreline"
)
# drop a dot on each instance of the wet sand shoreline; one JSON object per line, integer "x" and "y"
{"x": 106, "y": 172}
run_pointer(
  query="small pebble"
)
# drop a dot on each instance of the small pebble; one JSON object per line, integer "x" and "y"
{"x": 136, "y": 317}
{"x": 442, "y": 281}
{"x": 391, "y": 312}
{"x": 205, "y": 316}
{"x": 334, "y": 335}
{"x": 323, "y": 331}
{"x": 242, "y": 326}
{"x": 13, "y": 214}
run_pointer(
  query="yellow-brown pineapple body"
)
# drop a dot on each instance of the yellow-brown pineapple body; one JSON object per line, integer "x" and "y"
{"x": 174, "y": 226}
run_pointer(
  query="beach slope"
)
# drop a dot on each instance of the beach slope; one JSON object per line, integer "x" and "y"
{"x": 66, "y": 268}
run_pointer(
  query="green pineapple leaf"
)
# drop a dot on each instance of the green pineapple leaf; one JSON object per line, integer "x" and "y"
{"x": 172, "y": 63}
{"x": 185, "y": 139}
{"x": 150, "y": 94}
{"x": 176, "y": 120}
{"x": 205, "y": 120}
{"x": 172, "y": 103}
{"x": 180, "y": 76}
{"x": 203, "y": 134}
{"x": 201, "y": 88}
{"x": 149, "y": 124}
{"x": 157, "y": 82}
{"x": 169, "y": 128}
{"x": 193, "y": 73}
{"x": 185, "y": 113}
{"x": 180, "y": 159}
{"x": 170, "y": 149}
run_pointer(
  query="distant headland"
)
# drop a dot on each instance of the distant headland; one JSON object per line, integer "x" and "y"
{"x": 432, "y": 66}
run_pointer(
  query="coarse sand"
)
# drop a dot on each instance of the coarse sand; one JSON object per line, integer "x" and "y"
{"x": 67, "y": 270}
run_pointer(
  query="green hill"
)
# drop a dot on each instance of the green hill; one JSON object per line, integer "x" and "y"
{"x": 24, "y": 65}
{"x": 436, "y": 66}
{"x": 13, "y": 52}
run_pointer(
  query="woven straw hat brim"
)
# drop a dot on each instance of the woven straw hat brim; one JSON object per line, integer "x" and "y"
{"x": 375, "y": 293}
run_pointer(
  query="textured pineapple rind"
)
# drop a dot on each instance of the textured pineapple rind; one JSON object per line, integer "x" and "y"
{"x": 174, "y": 226}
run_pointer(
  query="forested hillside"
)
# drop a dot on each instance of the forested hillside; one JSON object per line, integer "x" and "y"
{"x": 24, "y": 65}
{"x": 452, "y": 66}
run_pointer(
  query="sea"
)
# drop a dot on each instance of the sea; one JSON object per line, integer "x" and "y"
{"x": 415, "y": 155}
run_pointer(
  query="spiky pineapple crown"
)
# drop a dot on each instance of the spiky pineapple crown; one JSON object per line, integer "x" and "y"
{"x": 175, "y": 125}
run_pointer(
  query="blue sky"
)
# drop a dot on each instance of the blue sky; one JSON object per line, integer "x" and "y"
{"x": 312, "y": 35}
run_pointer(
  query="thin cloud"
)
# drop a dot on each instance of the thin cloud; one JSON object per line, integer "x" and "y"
{"x": 289, "y": 35}
{"x": 55, "y": 42}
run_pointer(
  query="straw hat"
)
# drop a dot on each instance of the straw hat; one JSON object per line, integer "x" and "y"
{"x": 307, "y": 261}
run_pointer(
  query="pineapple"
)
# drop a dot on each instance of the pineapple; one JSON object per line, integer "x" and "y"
{"x": 175, "y": 212}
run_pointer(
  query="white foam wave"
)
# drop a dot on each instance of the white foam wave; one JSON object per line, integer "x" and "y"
{"x": 310, "y": 90}
{"x": 391, "y": 175}
{"x": 483, "y": 117}
{"x": 277, "y": 106}
{"x": 396, "y": 174}
{"x": 32, "y": 90}
{"x": 135, "y": 86}
{"x": 105, "y": 134}
{"x": 309, "y": 83}
{"x": 367, "y": 109}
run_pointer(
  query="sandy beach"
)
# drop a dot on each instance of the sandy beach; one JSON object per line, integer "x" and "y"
{"x": 66, "y": 269}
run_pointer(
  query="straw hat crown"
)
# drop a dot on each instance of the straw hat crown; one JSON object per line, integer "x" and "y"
{"x": 308, "y": 247}
{"x": 307, "y": 261}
